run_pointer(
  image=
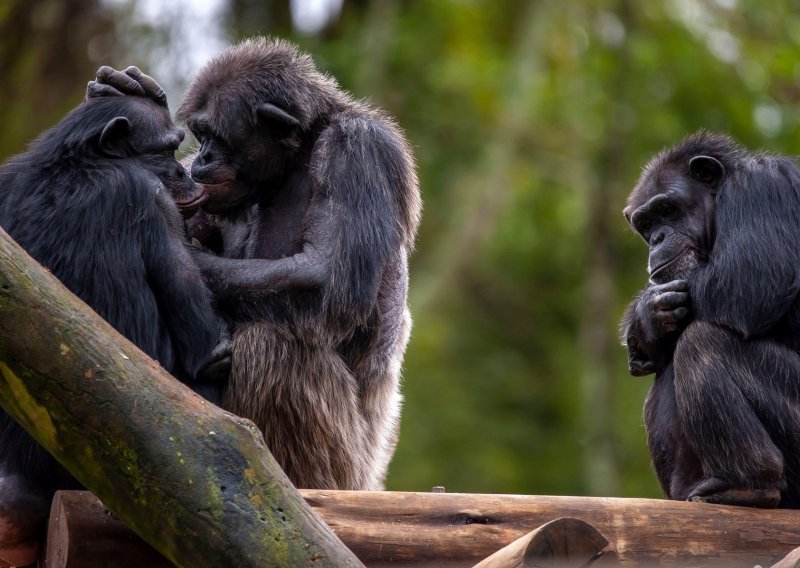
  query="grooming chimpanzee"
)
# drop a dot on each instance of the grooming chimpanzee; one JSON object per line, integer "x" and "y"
{"x": 312, "y": 203}
{"x": 719, "y": 322}
{"x": 88, "y": 200}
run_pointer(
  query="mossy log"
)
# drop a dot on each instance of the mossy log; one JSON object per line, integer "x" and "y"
{"x": 195, "y": 482}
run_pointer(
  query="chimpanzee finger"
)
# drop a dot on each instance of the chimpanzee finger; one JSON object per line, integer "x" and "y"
{"x": 640, "y": 367}
{"x": 96, "y": 90}
{"x": 120, "y": 81}
{"x": 671, "y": 300}
{"x": 680, "y": 314}
{"x": 151, "y": 87}
{"x": 671, "y": 320}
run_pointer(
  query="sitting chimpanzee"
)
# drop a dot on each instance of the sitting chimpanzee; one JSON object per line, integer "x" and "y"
{"x": 89, "y": 200}
{"x": 719, "y": 322}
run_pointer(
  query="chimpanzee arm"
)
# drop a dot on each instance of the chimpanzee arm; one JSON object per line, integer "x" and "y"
{"x": 230, "y": 278}
{"x": 359, "y": 217}
{"x": 751, "y": 278}
{"x": 183, "y": 300}
{"x": 364, "y": 168}
{"x": 652, "y": 324}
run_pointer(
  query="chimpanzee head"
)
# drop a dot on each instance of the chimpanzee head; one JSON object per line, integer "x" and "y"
{"x": 672, "y": 207}
{"x": 251, "y": 109}
{"x": 141, "y": 132}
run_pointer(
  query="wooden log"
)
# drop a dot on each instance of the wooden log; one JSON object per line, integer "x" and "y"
{"x": 450, "y": 529}
{"x": 565, "y": 543}
{"x": 194, "y": 481}
{"x": 83, "y": 533}
{"x": 466, "y": 528}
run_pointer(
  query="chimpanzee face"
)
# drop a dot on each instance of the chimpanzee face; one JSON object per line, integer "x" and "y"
{"x": 232, "y": 167}
{"x": 146, "y": 134}
{"x": 672, "y": 209}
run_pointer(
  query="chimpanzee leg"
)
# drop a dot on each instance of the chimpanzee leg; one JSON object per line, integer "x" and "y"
{"x": 732, "y": 394}
{"x": 24, "y": 503}
{"x": 674, "y": 461}
{"x": 28, "y": 478}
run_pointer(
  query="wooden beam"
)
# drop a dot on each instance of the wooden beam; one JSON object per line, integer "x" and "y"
{"x": 450, "y": 529}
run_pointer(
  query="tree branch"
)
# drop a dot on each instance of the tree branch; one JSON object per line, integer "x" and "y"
{"x": 194, "y": 481}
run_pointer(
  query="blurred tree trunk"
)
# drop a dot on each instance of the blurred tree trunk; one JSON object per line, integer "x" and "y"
{"x": 479, "y": 195}
{"x": 375, "y": 40}
{"x": 259, "y": 17}
{"x": 598, "y": 330}
{"x": 48, "y": 48}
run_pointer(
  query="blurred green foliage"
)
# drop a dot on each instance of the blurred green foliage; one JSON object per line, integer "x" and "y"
{"x": 530, "y": 122}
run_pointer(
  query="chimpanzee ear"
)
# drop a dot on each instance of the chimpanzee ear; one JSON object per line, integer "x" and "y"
{"x": 114, "y": 136}
{"x": 707, "y": 170}
{"x": 275, "y": 118}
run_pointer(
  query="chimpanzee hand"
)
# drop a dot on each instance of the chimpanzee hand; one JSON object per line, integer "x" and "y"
{"x": 639, "y": 362}
{"x": 129, "y": 82}
{"x": 665, "y": 307}
{"x": 218, "y": 367}
{"x": 652, "y": 325}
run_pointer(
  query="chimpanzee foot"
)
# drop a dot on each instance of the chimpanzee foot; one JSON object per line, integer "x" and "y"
{"x": 721, "y": 492}
{"x": 23, "y": 511}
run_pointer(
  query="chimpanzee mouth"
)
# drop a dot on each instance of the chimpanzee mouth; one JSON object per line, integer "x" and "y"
{"x": 192, "y": 203}
{"x": 215, "y": 184}
{"x": 677, "y": 267}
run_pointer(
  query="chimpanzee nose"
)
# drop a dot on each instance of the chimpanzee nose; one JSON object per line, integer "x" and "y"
{"x": 658, "y": 236}
{"x": 206, "y": 155}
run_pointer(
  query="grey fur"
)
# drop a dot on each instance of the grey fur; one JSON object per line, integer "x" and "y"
{"x": 318, "y": 373}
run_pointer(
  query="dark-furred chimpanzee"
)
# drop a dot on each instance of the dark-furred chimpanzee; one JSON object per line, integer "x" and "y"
{"x": 312, "y": 203}
{"x": 88, "y": 200}
{"x": 719, "y": 322}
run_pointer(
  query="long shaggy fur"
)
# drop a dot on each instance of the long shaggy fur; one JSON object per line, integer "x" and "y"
{"x": 319, "y": 371}
{"x": 723, "y": 415}
{"x": 106, "y": 227}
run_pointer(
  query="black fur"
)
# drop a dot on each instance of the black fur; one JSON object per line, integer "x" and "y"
{"x": 313, "y": 205}
{"x": 719, "y": 322}
{"x": 99, "y": 216}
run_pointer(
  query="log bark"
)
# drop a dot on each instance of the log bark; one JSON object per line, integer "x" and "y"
{"x": 195, "y": 482}
{"x": 396, "y": 529}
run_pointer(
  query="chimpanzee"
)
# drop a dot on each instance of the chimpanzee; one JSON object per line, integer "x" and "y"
{"x": 89, "y": 201}
{"x": 719, "y": 322}
{"x": 312, "y": 203}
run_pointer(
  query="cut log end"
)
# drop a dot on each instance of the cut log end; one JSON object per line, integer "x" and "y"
{"x": 563, "y": 543}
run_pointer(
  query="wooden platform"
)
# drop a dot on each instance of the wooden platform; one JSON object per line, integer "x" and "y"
{"x": 450, "y": 529}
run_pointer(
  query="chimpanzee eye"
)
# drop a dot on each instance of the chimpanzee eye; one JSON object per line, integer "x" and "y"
{"x": 667, "y": 209}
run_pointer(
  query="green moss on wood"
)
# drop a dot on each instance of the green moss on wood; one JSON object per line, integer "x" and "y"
{"x": 34, "y": 413}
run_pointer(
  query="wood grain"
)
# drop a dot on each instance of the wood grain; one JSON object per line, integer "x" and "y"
{"x": 450, "y": 529}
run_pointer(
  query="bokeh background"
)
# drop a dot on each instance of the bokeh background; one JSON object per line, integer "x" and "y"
{"x": 530, "y": 121}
